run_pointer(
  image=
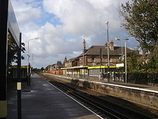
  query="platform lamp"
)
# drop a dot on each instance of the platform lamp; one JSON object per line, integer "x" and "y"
{"x": 125, "y": 56}
{"x": 107, "y": 23}
{"x": 36, "y": 38}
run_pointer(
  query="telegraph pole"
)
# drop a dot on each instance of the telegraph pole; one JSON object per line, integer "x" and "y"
{"x": 19, "y": 82}
{"x": 108, "y": 71}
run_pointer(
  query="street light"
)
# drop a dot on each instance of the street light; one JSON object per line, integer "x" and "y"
{"x": 125, "y": 57}
{"x": 107, "y": 23}
{"x": 36, "y": 38}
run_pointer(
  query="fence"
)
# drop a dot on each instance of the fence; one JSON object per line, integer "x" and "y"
{"x": 136, "y": 78}
{"x": 112, "y": 76}
{"x": 143, "y": 78}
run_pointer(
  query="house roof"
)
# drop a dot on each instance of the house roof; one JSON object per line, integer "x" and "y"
{"x": 72, "y": 59}
{"x": 95, "y": 50}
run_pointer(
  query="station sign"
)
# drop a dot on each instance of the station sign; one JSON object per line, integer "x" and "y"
{"x": 120, "y": 65}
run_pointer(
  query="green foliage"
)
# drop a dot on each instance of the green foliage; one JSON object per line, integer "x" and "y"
{"x": 42, "y": 68}
{"x": 142, "y": 63}
{"x": 13, "y": 49}
{"x": 153, "y": 65}
{"x": 132, "y": 60}
{"x": 141, "y": 21}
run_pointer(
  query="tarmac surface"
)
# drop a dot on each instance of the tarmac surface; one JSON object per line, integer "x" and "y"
{"x": 41, "y": 100}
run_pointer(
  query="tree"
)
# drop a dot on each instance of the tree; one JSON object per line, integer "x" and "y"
{"x": 13, "y": 50}
{"x": 141, "y": 21}
{"x": 42, "y": 68}
{"x": 133, "y": 64}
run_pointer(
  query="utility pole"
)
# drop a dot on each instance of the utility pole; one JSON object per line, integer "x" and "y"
{"x": 101, "y": 73}
{"x": 84, "y": 50}
{"x": 108, "y": 50}
{"x": 19, "y": 82}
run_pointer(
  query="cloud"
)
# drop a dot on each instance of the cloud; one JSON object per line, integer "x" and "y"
{"x": 86, "y": 16}
{"x": 26, "y": 11}
{"x": 63, "y": 24}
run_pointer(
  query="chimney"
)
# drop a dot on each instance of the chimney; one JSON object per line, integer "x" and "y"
{"x": 111, "y": 45}
{"x": 84, "y": 46}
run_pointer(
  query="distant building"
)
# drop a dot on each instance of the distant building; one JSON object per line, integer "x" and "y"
{"x": 97, "y": 55}
{"x": 55, "y": 67}
{"x": 71, "y": 62}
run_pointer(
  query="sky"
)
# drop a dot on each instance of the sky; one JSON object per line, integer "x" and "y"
{"x": 61, "y": 26}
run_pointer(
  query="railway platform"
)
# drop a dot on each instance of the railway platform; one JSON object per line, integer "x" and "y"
{"x": 136, "y": 86}
{"x": 42, "y": 100}
{"x": 136, "y": 93}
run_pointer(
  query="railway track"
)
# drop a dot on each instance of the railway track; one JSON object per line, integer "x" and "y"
{"x": 105, "y": 109}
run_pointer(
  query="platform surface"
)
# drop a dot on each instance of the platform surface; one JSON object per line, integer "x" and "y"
{"x": 41, "y": 100}
{"x": 151, "y": 88}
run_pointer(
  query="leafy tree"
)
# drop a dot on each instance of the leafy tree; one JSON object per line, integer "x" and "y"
{"x": 13, "y": 50}
{"x": 42, "y": 68}
{"x": 153, "y": 60}
{"x": 133, "y": 64}
{"x": 141, "y": 21}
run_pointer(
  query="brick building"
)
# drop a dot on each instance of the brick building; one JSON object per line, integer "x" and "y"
{"x": 97, "y": 55}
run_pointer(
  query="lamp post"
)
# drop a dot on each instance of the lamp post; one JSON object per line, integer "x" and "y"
{"x": 125, "y": 57}
{"x": 125, "y": 60}
{"x": 36, "y": 38}
{"x": 107, "y": 23}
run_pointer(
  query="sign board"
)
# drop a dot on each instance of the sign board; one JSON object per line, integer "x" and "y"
{"x": 12, "y": 24}
{"x": 120, "y": 65}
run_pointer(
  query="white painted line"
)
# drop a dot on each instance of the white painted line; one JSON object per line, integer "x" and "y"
{"x": 129, "y": 87}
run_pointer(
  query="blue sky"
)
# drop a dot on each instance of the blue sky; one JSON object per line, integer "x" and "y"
{"x": 63, "y": 24}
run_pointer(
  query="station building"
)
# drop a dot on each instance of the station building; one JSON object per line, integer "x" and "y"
{"x": 93, "y": 62}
